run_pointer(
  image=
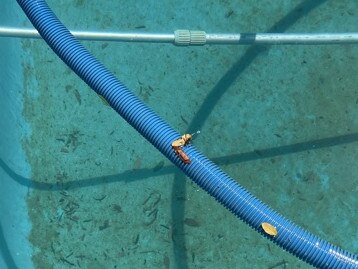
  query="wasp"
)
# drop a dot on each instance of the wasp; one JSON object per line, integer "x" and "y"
{"x": 181, "y": 142}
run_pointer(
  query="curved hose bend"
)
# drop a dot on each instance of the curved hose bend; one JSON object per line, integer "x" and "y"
{"x": 207, "y": 175}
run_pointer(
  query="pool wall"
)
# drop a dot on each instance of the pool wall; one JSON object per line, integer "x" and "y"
{"x": 14, "y": 225}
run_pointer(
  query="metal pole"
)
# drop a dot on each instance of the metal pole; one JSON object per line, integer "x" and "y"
{"x": 94, "y": 36}
{"x": 283, "y": 38}
{"x": 189, "y": 37}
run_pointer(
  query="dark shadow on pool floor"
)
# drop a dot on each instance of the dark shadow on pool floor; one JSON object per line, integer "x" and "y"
{"x": 5, "y": 252}
{"x": 145, "y": 173}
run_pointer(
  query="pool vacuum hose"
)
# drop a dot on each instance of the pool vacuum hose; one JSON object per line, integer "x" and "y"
{"x": 201, "y": 170}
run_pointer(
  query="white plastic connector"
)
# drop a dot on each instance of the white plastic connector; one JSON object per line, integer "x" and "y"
{"x": 188, "y": 38}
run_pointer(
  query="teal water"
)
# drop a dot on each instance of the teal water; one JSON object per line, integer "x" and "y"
{"x": 282, "y": 120}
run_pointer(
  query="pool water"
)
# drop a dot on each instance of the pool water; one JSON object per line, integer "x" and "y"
{"x": 282, "y": 120}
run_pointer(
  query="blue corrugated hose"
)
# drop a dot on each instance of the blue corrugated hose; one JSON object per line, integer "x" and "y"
{"x": 207, "y": 175}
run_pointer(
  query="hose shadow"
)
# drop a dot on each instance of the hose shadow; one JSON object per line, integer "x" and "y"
{"x": 71, "y": 184}
{"x": 5, "y": 252}
{"x": 287, "y": 149}
{"x": 145, "y": 173}
{"x": 301, "y": 10}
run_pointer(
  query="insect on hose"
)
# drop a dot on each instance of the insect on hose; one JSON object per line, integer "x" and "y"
{"x": 182, "y": 142}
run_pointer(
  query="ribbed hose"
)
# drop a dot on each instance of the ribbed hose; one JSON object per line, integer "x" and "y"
{"x": 207, "y": 175}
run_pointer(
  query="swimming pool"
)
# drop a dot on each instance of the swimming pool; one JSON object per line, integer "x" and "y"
{"x": 281, "y": 144}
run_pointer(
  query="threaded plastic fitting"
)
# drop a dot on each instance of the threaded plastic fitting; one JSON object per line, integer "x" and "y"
{"x": 189, "y": 38}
